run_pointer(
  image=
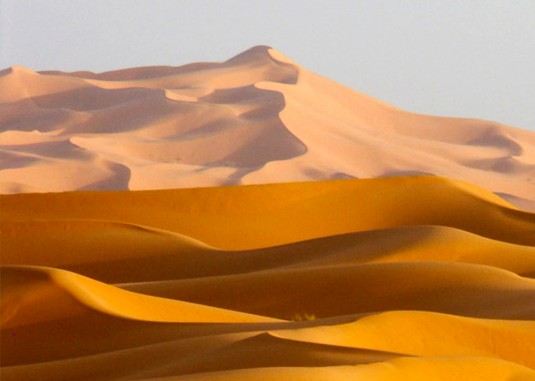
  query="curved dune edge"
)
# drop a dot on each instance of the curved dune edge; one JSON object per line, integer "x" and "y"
{"x": 404, "y": 368}
{"x": 74, "y": 293}
{"x": 343, "y": 277}
{"x": 206, "y": 353}
{"x": 399, "y": 275}
{"x": 438, "y": 369}
{"x": 419, "y": 333}
{"x": 398, "y": 368}
{"x": 461, "y": 289}
{"x": 276, "y": 214}
{"x": 258, "y": 117}
{"x": 119, "y": 253}
{"x": 423, "y": 334}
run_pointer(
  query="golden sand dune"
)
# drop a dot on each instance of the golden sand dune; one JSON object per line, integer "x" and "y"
{"x": 70, "y": 293}
{"x": 246, "y": 217}
{"x": 206, "y": 354}
{"x": 411, "y": 369}
{"x": 255, "y": 118}
{"x": 468, "y": 290}
{"x": 422, "y": 334}
{"x": 398, "y": 275}
{"x": 119, "y": 253}
{"x": 101, "y": 309}
{"x": 401, "y": 278}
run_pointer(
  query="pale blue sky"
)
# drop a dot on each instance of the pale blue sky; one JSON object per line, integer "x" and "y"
{"x": 473, "y": 58}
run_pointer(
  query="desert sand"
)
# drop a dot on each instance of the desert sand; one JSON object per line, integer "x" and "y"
{"x": 257, "y": 118}
{"x": 251, "y": 220}
{"x": 414, "y": 277}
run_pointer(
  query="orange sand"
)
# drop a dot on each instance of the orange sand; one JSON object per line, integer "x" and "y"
{"x": 406, "y": 277}
{"x": 416, "y": 278}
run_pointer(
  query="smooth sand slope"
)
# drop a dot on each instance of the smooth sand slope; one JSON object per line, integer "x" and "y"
{"x": 119, "y": 253}
{"x": 411, "y": 256}
{"x": 256, "y": 118}
{"x": 399, "y": 278}
{"x": 247, "y": 217}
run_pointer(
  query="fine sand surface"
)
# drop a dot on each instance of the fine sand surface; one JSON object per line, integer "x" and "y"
{"x": 256, "y": 118}
{"x": 397, "y": 278}
{"x": 251, "y": 220}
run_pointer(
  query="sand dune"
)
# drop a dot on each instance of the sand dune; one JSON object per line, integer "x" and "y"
{"x": 410, "y": 256}
{"x": 426, "y": 336}
{"x": 398, "y": 369}
{"x": 53, "y": 286}
{"x": 245, "y": 217}
{"x": 466, "y": 290}
{"x": 119, "y": 253}
{"x": 256, "y": 118}
{"x": 314, "y": 210}
{"x": 414, "y": 277}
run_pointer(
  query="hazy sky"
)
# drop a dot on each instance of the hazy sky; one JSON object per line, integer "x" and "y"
{"x": 473, "y": 58}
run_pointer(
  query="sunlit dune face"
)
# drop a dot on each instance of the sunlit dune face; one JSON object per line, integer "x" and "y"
{"x": 123, "y": 256}
{"x": 428, "y": 277}
{"x": 256, "y": 118}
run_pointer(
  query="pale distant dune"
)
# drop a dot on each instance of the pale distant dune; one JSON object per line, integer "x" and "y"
{"x": 257, "y": 118}
{"x": 352, "y": 240}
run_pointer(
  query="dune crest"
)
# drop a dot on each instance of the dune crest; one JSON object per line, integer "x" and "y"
{"x": 258, "y": 117}
{"x": 299, "y": 211}
{"x": 273, "y": 279}
{"x": 291, "y": 275}
{"x": 92, "y": 295}
{"x": 352, "y": 239}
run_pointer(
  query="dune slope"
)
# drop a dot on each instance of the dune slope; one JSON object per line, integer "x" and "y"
{"x": 251, "y": 220}
{"x": 256, "y": 118}
{"x": 413, "y": 277}
{"x": 310, "y": 210}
